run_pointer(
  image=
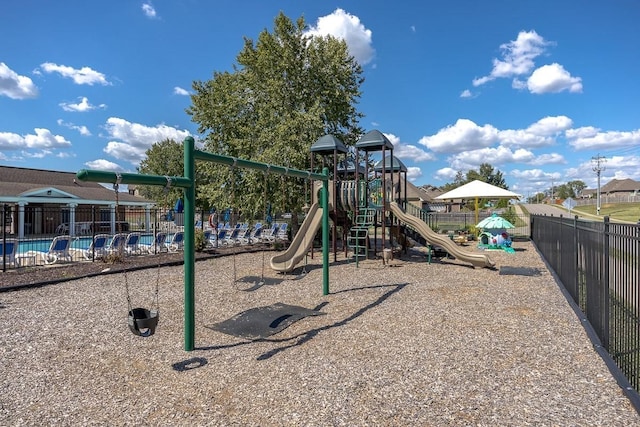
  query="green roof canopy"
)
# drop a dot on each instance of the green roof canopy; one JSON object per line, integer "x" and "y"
{"x": 327, "y": 144}
{"x": 374, "y": 141}
{"x": 390, "y": 166}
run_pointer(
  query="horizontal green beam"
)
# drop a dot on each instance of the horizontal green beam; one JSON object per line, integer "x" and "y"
{"x": 249, "y": 164}
{"x": 132, "y": 178}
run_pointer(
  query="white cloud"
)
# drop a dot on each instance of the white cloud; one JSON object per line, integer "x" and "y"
{"x": 462, "y": 136}
{"x": 149, "y": 11}
{"x": 413, "y": 173}
{"x": 180, "y": 91}
{"x": 14, "y": 85}
{"x": 132, "y": 140}
{"x": 407, "y": 151}
{"x": 591, "y": 138}
{"x": 41, "y": 139}
{"x": 582, "y": 132}
{"x": 548, "y": 126}
{"x": 466, "y": 94}
{"x": 548, "y": 159}
{"x": 523, "y": 138}
{"x": 535, "y": 180}
{"x": 105, "y": 165}
{"x": 83, "y": 130}
{"x": 517, "y": 57}
{"x": 553, "y": 78}
{"x": 82, "y": 106}
{"x": 446, "y": 174}
{"x": 83, "y": 76}
{"x": 497, "y": 156}
{"x": 343, "y": 25}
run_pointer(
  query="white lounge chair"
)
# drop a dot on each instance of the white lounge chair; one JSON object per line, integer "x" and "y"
{"x": 8, "y": 250}
{"x": 132, "y": 244}
{"x": 177, "y": 242}
{"x": 282, "y": 232}
{"x": 158, "y": 245}
{"x": 59, "y": 250}
{"x": 97, "y": 248}
{"x": 116, "y": 246}
{"x": 270, "y": 234}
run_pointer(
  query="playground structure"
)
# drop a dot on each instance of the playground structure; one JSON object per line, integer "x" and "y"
{"x": 355, "y": 205}
{"x": 366, "y": 202}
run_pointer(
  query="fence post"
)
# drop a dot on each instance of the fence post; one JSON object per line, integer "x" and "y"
{"x": 4, "y": 238}
{"x": 605, "y": 280}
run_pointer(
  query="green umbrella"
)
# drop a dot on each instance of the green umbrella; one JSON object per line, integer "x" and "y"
{"x": 494, "y": 222}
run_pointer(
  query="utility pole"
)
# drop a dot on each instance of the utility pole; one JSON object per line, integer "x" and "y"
{"x": 598, "y": 166}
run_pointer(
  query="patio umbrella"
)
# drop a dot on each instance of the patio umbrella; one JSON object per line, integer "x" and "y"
{"x": 494, "y": 222}
{"x": 179, "y": 207}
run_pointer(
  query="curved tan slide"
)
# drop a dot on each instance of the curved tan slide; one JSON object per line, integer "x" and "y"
{"x": 301, "y": 243}
{"x": 478, "y": 260}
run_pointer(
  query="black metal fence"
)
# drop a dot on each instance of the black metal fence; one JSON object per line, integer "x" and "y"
{"x": 33, "y": 228}
{"x": 598, "y": 264}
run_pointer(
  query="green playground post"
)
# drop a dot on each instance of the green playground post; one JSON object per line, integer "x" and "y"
{"x": 188, "y": 184}
{"x": 325, "y": 233}
{"x": 189, "y": 246}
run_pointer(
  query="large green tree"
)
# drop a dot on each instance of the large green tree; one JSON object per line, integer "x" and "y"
{"x": 163, "y": 158}
{"x": 286, "y": 90}
{"x": 166, "y": 158}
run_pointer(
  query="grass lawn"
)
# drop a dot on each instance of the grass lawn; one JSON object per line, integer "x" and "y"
{"x": 619, "y": 211}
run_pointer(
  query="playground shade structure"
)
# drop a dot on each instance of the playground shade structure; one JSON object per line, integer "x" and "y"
{"x": 477, "y": 260}
{"x": 286, "y": 261}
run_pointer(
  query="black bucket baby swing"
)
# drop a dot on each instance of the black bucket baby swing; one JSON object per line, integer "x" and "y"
{"x": 142, "y": 321}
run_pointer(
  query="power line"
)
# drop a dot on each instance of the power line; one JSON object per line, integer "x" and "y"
{"x": 598, "y": 166}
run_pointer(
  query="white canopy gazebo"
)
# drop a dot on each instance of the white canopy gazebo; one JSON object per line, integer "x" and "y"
{"x": 478, "y": 190}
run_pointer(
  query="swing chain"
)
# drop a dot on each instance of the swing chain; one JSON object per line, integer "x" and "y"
{"x": 233, "y": 197}
{"x": 116, "y": 186}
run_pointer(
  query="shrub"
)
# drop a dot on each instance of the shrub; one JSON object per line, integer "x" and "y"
{"x": 199, "y": 240}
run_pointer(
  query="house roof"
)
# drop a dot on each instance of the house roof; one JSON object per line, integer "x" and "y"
{"x": 46, "y": 186}
{"x": 621, "y": 185}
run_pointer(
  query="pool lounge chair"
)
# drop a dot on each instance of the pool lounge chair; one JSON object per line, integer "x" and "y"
{"x": 158, "y": 245}
{"x": 59, "y": 250}
{"x": 116, "y": 246}
{"x": 132, "y": 244}
{"x": 98, "y": 247}
{"x": 177, "y": 242}
{"x": 282, "y": 232}
{"x": 8, "y": 250}
{"x": 270, "y": 234}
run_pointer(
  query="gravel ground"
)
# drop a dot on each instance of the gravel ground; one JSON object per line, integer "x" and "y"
{"x": 407, "y": 344}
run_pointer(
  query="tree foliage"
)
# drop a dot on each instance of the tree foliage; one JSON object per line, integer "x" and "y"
{"x": 163, "y": 158}
{"x": 485, "y": 173}
{"x": 166, "y": 158}
{"x": 286, "y": 91}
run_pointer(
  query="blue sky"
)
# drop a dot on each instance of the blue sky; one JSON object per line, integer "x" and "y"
{"x": 536, "y": 89}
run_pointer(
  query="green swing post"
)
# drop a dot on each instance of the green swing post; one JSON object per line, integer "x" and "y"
{"x": 189, "y": 246}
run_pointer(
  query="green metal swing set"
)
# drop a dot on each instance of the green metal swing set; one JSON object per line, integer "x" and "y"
{"x": 187, "y": 183}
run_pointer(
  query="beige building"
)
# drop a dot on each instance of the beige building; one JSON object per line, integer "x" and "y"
{"x": 41, "y": 202}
